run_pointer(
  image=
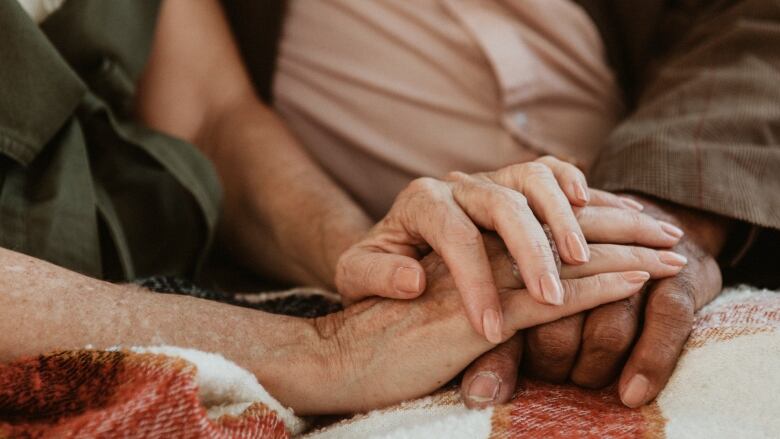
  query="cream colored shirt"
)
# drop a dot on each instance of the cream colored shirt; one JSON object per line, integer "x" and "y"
{"x": 383, "y": 91}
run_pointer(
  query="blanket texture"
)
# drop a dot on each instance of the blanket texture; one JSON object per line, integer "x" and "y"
{"x": 726, "y": 385}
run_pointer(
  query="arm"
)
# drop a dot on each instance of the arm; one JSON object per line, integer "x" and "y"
{"x": 376, "y": 353}
{"x": 282, "y": 214}
{"x": 46, "y": 308}
{"x": 286, "y": 217}
{"x": 704, "y": 134}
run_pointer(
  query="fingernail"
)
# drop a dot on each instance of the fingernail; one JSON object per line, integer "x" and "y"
{"x": 581, "y": 193}
{"x": 636, "y": 277}
{"x": 672, "y": 258}
{"x": 636, "y": 391}
{"x": 671, "y": 229}
{"x": 407, "y": 280}
{"x": 484, "y": 387}
{"x": 551, "y": 289}
{"x": 632, "y": 204}
{"x": 491, "y": 326}
{"x": 577, "y": 248}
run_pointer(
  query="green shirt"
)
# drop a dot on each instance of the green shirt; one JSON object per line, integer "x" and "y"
{"x": 81, "y": 184}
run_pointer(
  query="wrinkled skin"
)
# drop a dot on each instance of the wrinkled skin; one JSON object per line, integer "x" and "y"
{"x": 446, "y": 216}
{"x": 638, "y": 339}
{"x": 382, "y": 351}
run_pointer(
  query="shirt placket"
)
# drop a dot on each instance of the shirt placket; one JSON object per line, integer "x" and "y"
{"x": 511, "y": 60}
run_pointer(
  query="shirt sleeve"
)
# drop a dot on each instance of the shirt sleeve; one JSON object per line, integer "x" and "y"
{"x": 706, "y": 130}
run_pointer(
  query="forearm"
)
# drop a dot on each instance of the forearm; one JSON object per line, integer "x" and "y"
{"x": 707, "y": 230}
{"x": 46, "y": 308}
{"x": 282, "y": 213}
{"x": 704, "y": 132}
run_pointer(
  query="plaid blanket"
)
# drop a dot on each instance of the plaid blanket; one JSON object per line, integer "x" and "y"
{"x": 726, "y": 385}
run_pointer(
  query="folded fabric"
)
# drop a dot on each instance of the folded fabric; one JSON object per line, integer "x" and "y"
{"x": 726, "y": 385}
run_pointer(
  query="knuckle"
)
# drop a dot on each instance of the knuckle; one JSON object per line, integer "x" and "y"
{"x": 630, "y": 309}
{"x": 611, "y": 338}
{"x": 424, "y": 185}
{"x": 536, "y": 169}
{"x": 563, "y": 216}
{"x": 576, "y": 172}
{"x": 582, "y": 214}
{"x": 342, "y": 278}
{"x": 348, "y": 274}
{"x": 554, "y": 347}
{"x": 567, "y": 168}
{"x": 663, "y": 355}
{"x": 574, "y": 288}
{"x": 673, "y": 309}
{"x": 636, "y": 255}
{"x": 508, "y": 200}
{"x": 599, "y": 252}
{"x": 516, "y": 169}
{"x": 462, "y": 234}
{"x": 500, "y": 196}
{"x": 500, "y": 360}
{"x": 540, "y": 250}
{"x": 571, "y": 290}
{"x": 559, "y": 336}
{"x": 456, "y": 176}
{"x": 549, "y": 159}
{"x": 520, "y": 201}
{"x": 634, "y": 220}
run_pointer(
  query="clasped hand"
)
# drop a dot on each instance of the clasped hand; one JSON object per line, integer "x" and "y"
{"x": 595, "y": 233}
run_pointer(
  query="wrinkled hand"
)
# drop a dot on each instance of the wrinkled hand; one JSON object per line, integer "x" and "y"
{"x": 590, "y": 348}
{"x": 447, "y": 215}
{"x": 382, "y": 351}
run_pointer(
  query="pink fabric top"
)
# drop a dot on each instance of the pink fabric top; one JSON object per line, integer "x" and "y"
{"x": 384, "y": 91}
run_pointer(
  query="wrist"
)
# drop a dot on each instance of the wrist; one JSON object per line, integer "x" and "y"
{"x": 707, "y": 230}
{"x": 299, "y": 368}
{"x": 318, "y": 251}
{"x": 339, "y": 231}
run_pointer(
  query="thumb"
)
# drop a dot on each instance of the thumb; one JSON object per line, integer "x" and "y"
{"x": 491, "y": 379}
{"x": 669, "y": 317}
{"x": 362, "y": 272}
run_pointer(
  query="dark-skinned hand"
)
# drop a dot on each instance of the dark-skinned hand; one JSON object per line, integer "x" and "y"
{"x": 640, "y": 338}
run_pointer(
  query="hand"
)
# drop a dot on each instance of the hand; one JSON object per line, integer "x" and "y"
{"x": 591, "y": 348}
{"x": 446, "y": 216}
{"x": 382, "y": 351}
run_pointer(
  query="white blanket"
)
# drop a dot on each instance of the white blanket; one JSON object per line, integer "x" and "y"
{"x": 726, "y": 385}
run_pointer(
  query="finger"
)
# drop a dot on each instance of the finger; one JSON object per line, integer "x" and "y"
{"x": 491, "y": 379}
{"x": 610, "y": 258}
{"x": 570, "y": 178}
{"x": 522, "y": 311}
{"x": 551, "y": 349}
{"x": 608, "y": 199}
{"x": 547, "y": 200}
{"x": 607, "y": 337}
{"x": 622, "y": 226}
{"x": 440, "y": 221}
{"x": 506, "y": 211}
{"x": 668, "y": 322}
{"x": 368, "y": 271}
